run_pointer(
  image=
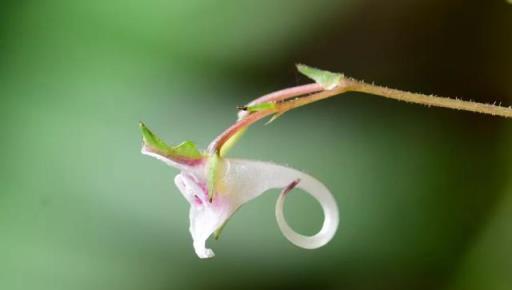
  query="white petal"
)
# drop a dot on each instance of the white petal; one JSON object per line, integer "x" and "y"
{"x": 205, "y": 216}
{"x": 204, "y": 220}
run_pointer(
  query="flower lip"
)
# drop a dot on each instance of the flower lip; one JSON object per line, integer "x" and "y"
{"x": 192, "y": 188}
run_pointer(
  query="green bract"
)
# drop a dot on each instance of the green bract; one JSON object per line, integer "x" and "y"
{"x": 186, "y": 149}
{"x": 328, "y": 80}
{"x": 261, "y": 107}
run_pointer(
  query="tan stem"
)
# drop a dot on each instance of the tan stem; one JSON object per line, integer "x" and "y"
{"x": 430, "y": 100}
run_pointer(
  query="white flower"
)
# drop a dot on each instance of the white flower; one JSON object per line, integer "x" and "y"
{"x": 239, "y": 181}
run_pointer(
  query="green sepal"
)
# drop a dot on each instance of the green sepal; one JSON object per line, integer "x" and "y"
{"x": 328, "y": 80}
{"x": 185, "y": 150}
{"x": 231, "y": 142}
{"x": 213, "y": 162}
{"x": 217, "y": 232}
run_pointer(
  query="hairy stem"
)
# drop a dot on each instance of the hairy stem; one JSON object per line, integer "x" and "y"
{"x": 430, "y": 100}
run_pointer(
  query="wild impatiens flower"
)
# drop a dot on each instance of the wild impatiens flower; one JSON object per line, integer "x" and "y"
{"x": 216, "y": 186}
{"x": 237, "y": 182}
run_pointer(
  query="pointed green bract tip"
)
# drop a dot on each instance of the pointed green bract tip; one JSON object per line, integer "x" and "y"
{"x": 328, "y": 80}
{"x": 187, "y": 149}
{"x": 150, "y": 139}
{"x": 274, "y": 117}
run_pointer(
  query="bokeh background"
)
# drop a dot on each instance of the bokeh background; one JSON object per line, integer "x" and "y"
{"x": 425, "y": 194}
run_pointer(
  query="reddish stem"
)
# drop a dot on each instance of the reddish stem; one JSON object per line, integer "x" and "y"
{"x": 288, "y": 93}
{"x": 217, "y": 143}
{"x": 246, "y": 119}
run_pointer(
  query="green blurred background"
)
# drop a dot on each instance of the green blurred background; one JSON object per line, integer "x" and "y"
{"x": 425, "y": 194}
